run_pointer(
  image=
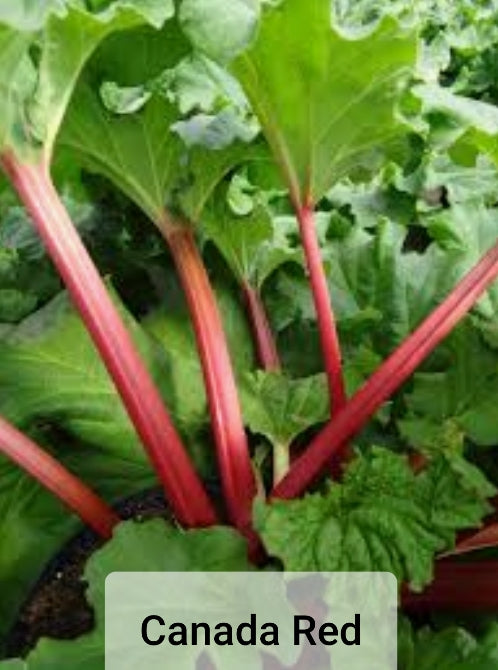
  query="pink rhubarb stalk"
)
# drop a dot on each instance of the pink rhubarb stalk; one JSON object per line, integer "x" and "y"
{"x": 141, "y": 398}
{"x": 329, "y": 339}
{"x": 234, "y": 461}
{"x": 486, "y": 538}
{"x": 330, "y": 442}
{"x": 55, "y": 478}
{"x": 266, "y": 347}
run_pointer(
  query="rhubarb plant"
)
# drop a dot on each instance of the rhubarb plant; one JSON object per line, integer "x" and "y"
{"x": 308, "y": 328}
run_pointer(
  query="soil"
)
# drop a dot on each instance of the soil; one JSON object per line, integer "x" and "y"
{"x": 57, "y": 607}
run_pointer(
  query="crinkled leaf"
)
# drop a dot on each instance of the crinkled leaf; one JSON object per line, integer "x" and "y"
{"x": 281, "y": 408}
{"x": 382, "y": 517}
{"x": 369, "y": 271}
{"x": 471, "y": 229}
{"x": 320, "y": 124}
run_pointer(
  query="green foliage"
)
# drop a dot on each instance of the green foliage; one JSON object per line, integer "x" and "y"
{"x": 461, "y": 390}
{"x": 44, "y": 86}
{"x": 319, "y": 125}
{"x": 382, "y": 517}
{"x": 280, "y": 408}
{"x": 449, "y": 649}
{"x": 252, "y": 241}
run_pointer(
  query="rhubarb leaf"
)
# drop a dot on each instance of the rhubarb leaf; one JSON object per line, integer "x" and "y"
{"x": 254, "y": 244}
{"x": 370, "y": 273}
{"x": 173, "y": 331}
{"x": 281, "y": 408}
{"x": 51, "y": 372}
{"x": 381, "y": 517}
{"x": 471, "y": 229}
{"x": 448, "y": 649}
{"x": 52, "y": 378}
{"x": 112, "y": 144}
{"x": 320, "y": 125}
{"x": 471, "y": 122}
{"x": 40, "y": 91}
{"x": 463, "y": 391}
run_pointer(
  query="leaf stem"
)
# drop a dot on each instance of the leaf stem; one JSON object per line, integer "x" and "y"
{"x": 226, "y": 418}
{"x": 140, "y": 396}
{"x": 55, "y": 478}
{"x": 266, "y": 346}
{"x": 331, "y": 441}
{"x": 281, "y": 462}
{"x": 329, "y": 339}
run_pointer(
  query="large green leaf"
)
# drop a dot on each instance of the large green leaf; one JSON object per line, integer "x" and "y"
{"x": 138, "y": 152}
{"x": 50, "y": 371}
{"x": 112, "y": 143}
{"x": 66, "y": 41}
{"x": 52, "y": 376}
{"x": 382, "y": 517}
{"x": 324, "y": 97}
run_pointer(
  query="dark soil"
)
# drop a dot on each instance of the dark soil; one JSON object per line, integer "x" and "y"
{"x": 57, "y": 607}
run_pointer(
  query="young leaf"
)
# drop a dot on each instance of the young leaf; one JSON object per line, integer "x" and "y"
{"x": 381, "y": 517}
{"x": 255, "y": 244}
{"x": 320, "y": 124}
{"x": 281, "y": 408}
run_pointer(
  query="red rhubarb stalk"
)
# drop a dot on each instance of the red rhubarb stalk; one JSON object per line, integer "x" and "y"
{"x": 330, "y": 442}
{"x": 141, "y": 398}
{"x": 266, "y": 347}
{"x": 55, "y": 478}
{"x": 486, "y": 538}
{"x": 457, "y": 587}
{"x": 234, "y": 461}
{"x": 329, "y": 339}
